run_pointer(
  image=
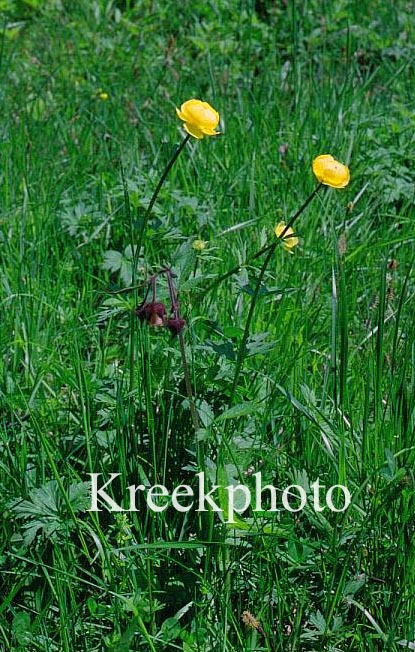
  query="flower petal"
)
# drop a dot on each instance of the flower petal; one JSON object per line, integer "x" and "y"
{"x": 180, "y": 114}
{"x": 193, "y": 130}
{"x": 208, "y": 131}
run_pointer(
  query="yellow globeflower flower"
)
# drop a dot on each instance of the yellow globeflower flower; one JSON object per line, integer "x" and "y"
{"x": 289, "y": 239}
{"x": 330, "y": 172}
{"x": 199, "y": 118}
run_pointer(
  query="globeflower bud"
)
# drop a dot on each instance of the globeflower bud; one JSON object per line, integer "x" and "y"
{"x": 199, "y": 245}
{"x": 289, "y": 239}
{"x": 330, "y": 172}
{"x": 199, "y": 118}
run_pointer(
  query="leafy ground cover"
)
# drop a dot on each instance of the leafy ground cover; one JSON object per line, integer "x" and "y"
{"x": 302, "y": 371}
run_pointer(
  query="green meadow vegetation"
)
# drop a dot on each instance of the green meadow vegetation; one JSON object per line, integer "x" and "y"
{"x": 298, "y": 365}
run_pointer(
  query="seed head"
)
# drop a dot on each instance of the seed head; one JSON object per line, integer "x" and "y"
{"x": 250, "y": 620}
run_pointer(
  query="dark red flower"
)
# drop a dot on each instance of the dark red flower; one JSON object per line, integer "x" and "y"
{"x": 153, "y": 312}
{"x": 175, "y": 325}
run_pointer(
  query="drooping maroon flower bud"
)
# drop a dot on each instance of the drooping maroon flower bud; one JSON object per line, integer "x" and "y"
{"x": 156, "y": 320}
{"x": 154, "y": 312}
{"x": 141, "y": 311}
{"x": 175, "y": 325}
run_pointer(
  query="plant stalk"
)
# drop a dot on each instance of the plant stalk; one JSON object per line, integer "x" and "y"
{"x": 259, "y": 253}
{"x": 153, "y": 199}
{"x": 270, "y": 249}
{"x": 242, "y": 348}
{"x": 189, "y": 391}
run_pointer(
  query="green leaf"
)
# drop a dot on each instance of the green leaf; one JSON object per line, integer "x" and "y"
{"x": 240, "y": 410}
{"x": 112, "y": 260}
{"x": 170, "y": 629}
{"x": 46, "y": 510}
{"x": 353, "y": 586}
{"x": 21, "y": 628}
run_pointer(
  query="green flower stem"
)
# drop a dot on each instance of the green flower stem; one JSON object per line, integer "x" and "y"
{"x": 205, "y": 524}
{"x": 236, "y": 269}
{"x": 242, "y": 348}
{"x": 259, "y": 253}
{"x": 153, "y": 199}
{"x": 136, "y": 252}
{"x": 144, "y": 632}
{"x": 270, "y": 249}
{"x": 300, "y": 210}
{"x": 188, "y": 383}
